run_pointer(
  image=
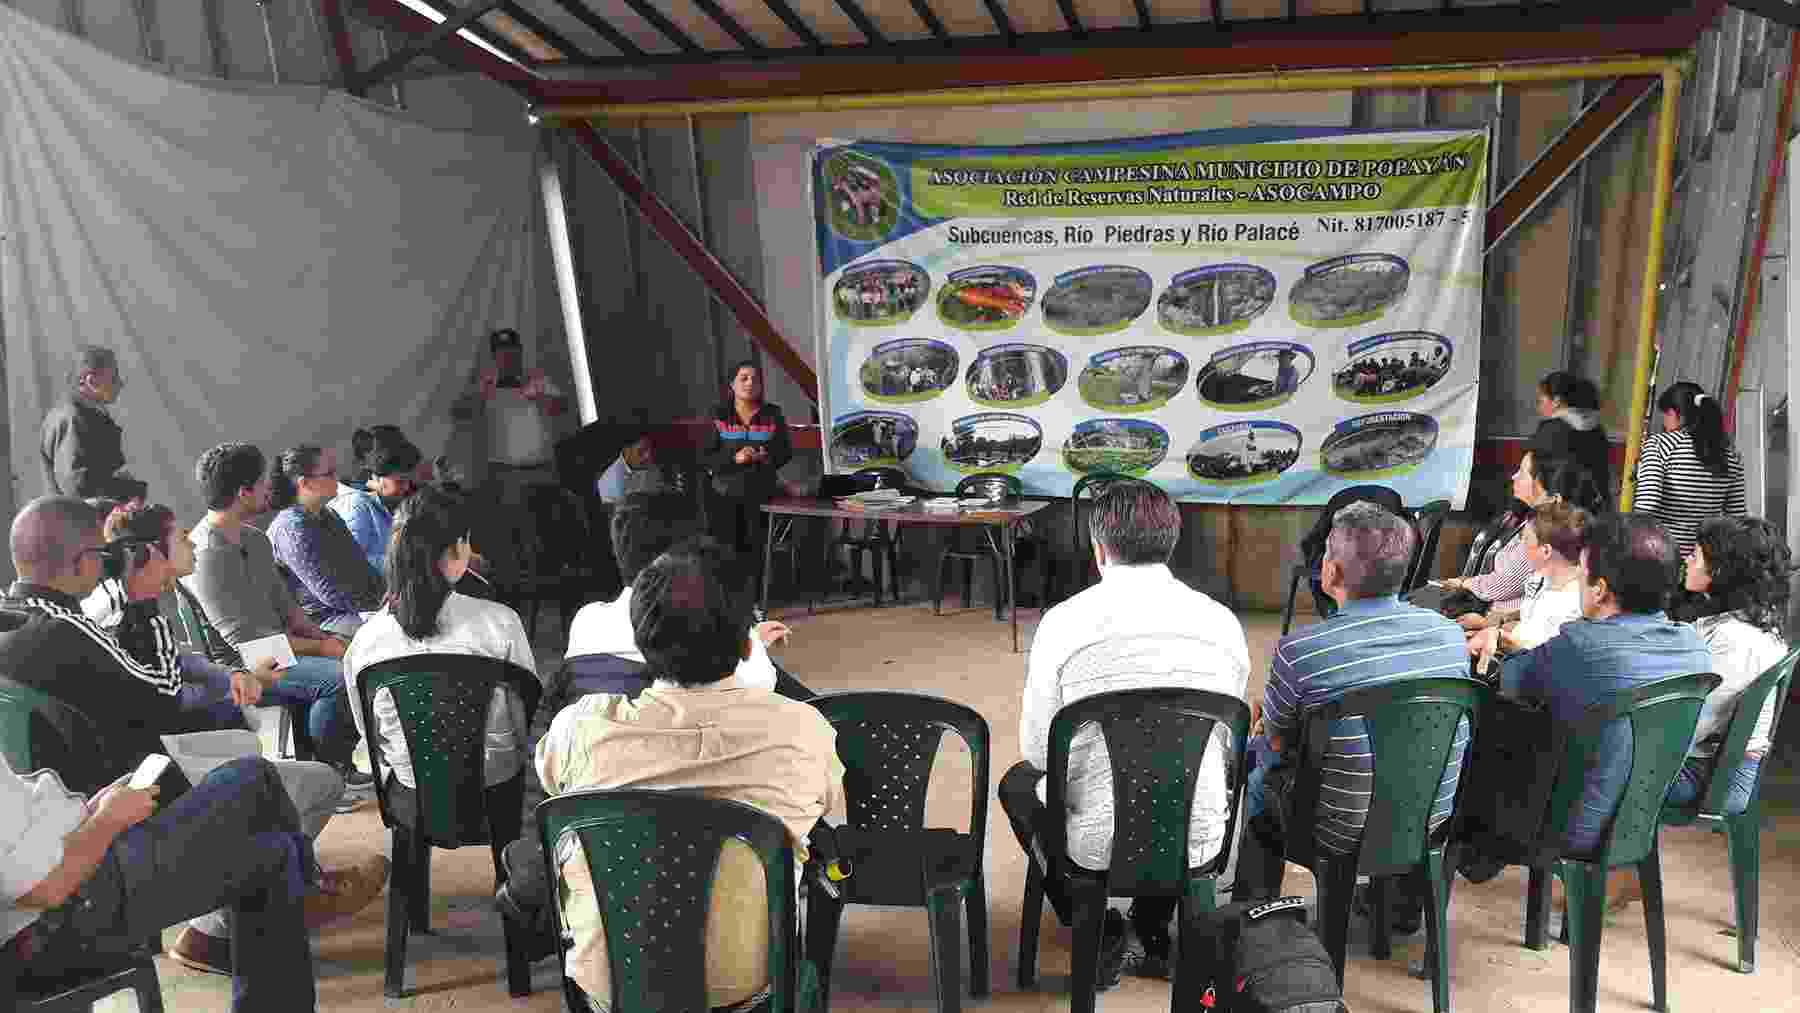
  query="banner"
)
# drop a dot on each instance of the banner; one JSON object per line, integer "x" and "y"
{"x": 1248, "y": 315}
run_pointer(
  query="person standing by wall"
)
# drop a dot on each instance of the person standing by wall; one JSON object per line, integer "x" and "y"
{"x": 748, "y": 448}
{"x": 519, "y": 405}
{"x": 81, "y": 446}
{"x": 1568, "y": 408}
{"x": 1689, "y": 473}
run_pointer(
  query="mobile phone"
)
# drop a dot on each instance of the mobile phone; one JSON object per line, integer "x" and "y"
{"x": 149, "y": 771}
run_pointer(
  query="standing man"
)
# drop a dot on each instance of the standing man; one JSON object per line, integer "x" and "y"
{"x": 519, "y": 405}
{"x": 81, "y": 447}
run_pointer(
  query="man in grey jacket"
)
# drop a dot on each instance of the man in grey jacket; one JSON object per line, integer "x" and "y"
{"x": 81, "y": 447}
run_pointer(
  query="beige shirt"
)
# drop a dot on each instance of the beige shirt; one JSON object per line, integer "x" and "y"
{"x": 747, "y": 745}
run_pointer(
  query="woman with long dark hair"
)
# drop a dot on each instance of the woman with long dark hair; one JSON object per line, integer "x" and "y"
{"x": 1689, "y": 473}
{"x": 429, "y": 553}
{"x": 1569, "y": 409}
{"x": 749, "y": 445}
{"x": 326, "y": 569}
{"x": 391, "y": 476}
{"x": 1738, "y": 578}
{"x": 1536, "y": 482}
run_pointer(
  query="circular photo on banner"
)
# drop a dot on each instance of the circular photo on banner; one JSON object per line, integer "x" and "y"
{"x": 1346, "y": 291}
{"x": 1254, "y": 377}
{"x": 872, "y": 439}
{"x": 1097, "y": 300}
{"x": 1379, "y": 445}
{"x": 1392, "y": 367}
{"x": 880, "y": 293}
{"x": 1138, "y": 378}
{"x": 1244, "y": 453}
{"x": 987, "y": 298}
{"x": 1126, "y": 446}
{"x": 908, "y": 370}
{"x": 861, "y": 196}
{"x": 1216, "y": 299}
{"x": 1016, "y": 375}
{"x": 992, "y": 441}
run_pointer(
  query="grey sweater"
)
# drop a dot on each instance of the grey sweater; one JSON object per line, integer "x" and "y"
{"x": 238, "y": 585}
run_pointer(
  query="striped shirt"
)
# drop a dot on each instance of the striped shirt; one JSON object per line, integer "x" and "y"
{"x": 1369, "y": 642}
{"x": 1680, "y": 491}
{"x": 1503, "y": 587}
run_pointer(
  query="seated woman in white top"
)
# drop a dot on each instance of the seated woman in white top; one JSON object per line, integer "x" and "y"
{"x": 1552, "y": 540}
{"x": 427, "y": 554}
{"x": 1738, "y": 572}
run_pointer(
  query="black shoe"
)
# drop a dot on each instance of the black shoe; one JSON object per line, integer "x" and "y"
{"x": 1479, "y": 868}
{"x": 1158, "y": 948}
{"x": 1114, "y": 951}
{"x": 537, "y": 939}
{"x": 1405, "y": 917}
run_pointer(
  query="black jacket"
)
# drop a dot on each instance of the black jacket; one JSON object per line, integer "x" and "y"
{"x": 83, "y": 452}
{"x": 59, "y": 651}
{"x": 767, "y": 429}
{"x": 1578, "y": 435}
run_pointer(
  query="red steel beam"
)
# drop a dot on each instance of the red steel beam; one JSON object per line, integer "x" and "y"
{"x": 335, "y": 23}
{"x": 1595, "y": 124}
{"x": 1784, "y": 123}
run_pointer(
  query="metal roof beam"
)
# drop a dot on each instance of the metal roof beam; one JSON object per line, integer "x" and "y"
{"x": 1779, "y": 11}
{"x": 998, "y": 12}
{"x": 796, "y": 24}
{"x": 1143, "y": 13}
{"x": 724, "y": 20}
{"x": 861, "y": 21}
{"x": 440, "y": 33}
{"x": 933, "y": 23}
{"x": 341, "y": 47}
{"x": 538, "y": 27}
{"x": 580, "y": 11}
{"x": 1072, "y": 19}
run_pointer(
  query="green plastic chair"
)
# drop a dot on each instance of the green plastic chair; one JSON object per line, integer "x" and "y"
{"x": 1093, "y": 484}
{"x": 1155, "y": 739}
{"x": 1412, "y": 727}
{"x": 888, "y": 742}
{"x": 1662, "y": 715}
{"x": 1743, "y": 831}
{"x": 203, "y": 639}
{"x": 442, "y": 700}
{"x": 651, "y": 855}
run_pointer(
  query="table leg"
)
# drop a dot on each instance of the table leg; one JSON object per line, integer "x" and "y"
{"x": 1006, "y": 564}
{"x": 768, "y": 562}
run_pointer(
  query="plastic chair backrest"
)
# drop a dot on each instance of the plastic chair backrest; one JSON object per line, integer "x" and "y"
{"x": 1411, "y": 724}
{"x": 199, "y": 633}
{"x": 1312, "y": 544}
{"x": 1428, "y": 523}
{"x": 991, "y": 484}
{"x": 443, "y": 701}
{"x": 1155, "y": 739}
{"x": 1093, "y": 483}
{"x": 1662, "y": 715}
{"x": 888, "y": 742}
{"x": 1743, "y": 722}
{"x": 26, "y": 714}
{"x": 652, "y": 855}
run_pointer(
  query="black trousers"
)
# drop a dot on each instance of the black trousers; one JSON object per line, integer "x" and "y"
{"x": 739, "y": 522}
{"x": 1030, "y": 823}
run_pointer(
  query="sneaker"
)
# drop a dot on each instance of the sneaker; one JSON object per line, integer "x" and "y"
{"x": 356, "y": 780}
{"x": 197, "y": 950}
{"x": 1115, "y": 950}
{"x": 343, "y": 892}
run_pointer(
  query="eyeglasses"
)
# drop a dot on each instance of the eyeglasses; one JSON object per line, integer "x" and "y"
{"x": 322, "y": 475}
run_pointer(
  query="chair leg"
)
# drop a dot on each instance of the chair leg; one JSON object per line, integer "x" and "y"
{"x": 1381, "y": 926}
{"x": 1744, "y": 836}
{"x": 1287, "y": 615}
{"x": 418, "y": 905}
{"x": 1030, "y": 915}
{"x": 1438, "y": 874}
{"x": 937, "y": 586}
{"x": 147, "y": 987}
{"x": 1649, "y": 873}
{"x": 823, "y": 915}
{"x": 518, "y": 964}
{"x": 399, "y": 920}
{"x": 999, "y": 589}
{"x": 1336, "y": 883}
{"x": 975, "y": 916}
{"x": 1087, "y": 910}
{"x": 968, "y": 595}
{"x": 946, "y": 928}
{"x": 1586, "y": 917}
{"x": 1537, "y": 910}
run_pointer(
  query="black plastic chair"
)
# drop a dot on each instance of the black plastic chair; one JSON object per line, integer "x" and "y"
{"x": 872, "y": 538}
{"x": 999, "y": 488}
{"x": 651, "y": 855}
{"x": 78, "y": 993}
{"x": 1312, "y": 546}
{"x": 1155, "y": 740}
{"x": 558, "y": 564}
{"x": 1082, "y": 566}
{"x": 1428, "y": 523}
{"x": 888, "y": 742}
{"x": 443, "y": 702}
{"x": 1412, "y": 727}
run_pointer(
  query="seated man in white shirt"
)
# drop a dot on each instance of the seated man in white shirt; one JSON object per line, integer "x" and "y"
{"x": 1134, "y": 529}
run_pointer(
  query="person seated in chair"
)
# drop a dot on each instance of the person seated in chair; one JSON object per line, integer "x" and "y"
{"x": 1374, "y": 639}
{"x": 1134, "y": 528}
{"x": 1623, "y": 640}
{"x": 1552, "y": 541}
{"x": 428, "y": 554}
{"x": 1737, "y": 579}
{"x": 697, "y": 729}
{"x": 368, "y": 513}
{"x": 329, "y": 573}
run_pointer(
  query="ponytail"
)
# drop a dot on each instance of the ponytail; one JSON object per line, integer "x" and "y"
{"x": 1704, "y": 419}
{"x": 290, "y": 467}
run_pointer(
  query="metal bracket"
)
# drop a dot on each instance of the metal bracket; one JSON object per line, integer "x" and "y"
{"x": 439, "y": 34}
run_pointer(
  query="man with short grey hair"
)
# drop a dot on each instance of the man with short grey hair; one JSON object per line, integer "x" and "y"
{"x": 80, "y": 447}
{"x": 1375, "y": 638}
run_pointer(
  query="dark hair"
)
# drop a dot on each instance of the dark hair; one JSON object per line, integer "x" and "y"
{"x": 426, "y": 526}
{"x": 290, "y": 468}
{"x": 228, "y": 469}
{"x": 740, "y": 365}
{"x": 1636, "y": 558}
{"x": 1135, "y": 522}
{"x": 1568, "y": 480}
{"x": 363, "y": 443}
{"x": 147, "y": 524}
{"x": 46, "y": 535}
{"x": 639, "y": 536}
{"x": 1704, "y": 419}
{"x": 1373, "y": 547}
{"x": 92, "y": 358}
{"x": 394, "y": 459}
{"x": 1577, "y": 392}
{"x": 1751, "y": 570}
{"x": 689, "y": 626}
{"x": 1563, "y": 527}
{"x": 505, "y": 337}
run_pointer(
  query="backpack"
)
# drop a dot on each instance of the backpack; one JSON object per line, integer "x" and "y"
{"x": 1259, "y": 957}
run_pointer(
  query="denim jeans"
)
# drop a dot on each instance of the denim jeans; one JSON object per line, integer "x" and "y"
{"x": 235, "y": 840}
{"x": 1695, "y": 776}
{"x": 1259, "y": 758}
{"x": 313, "y": 690}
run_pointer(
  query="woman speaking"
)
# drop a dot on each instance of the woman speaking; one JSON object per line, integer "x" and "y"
{"x": 748, "y": 446}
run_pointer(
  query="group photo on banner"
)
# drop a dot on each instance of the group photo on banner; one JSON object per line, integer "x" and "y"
{"x": 1249, "y": 315}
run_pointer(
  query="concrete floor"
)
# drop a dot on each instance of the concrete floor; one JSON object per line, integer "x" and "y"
{"x": 883, "y": 959}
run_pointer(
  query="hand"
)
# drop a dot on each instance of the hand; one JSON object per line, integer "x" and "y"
{"x": 477, "y": 561}
{"x": 1477, "y": 642}
{"x": 490, "y": 382}
{"x": 1454, "y": 584}
{"x": 246, "y": 689}
{"x": 334, "y": 648}
{"x": 744, "y": 456}
{"x": 121, "y": 807}
{"x": 535, "y": 382}
{"x": 1256, "y": 721}
{"x": 771, "y": 633}
{"x": 1472, "y": 621}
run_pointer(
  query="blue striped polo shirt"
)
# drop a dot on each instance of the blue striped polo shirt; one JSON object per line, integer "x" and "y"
{"x": 1370, "y": 641}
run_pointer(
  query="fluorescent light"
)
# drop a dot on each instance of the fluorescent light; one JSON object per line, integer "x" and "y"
{"x": 426, "y": 10}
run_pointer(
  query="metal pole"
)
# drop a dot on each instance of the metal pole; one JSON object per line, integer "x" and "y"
{"x": 262, "y": 7}
{"x": 1664, "y": 177}
{"x": 562, "y": 254}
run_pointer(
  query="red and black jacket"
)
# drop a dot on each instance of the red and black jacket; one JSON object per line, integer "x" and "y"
{"x": 766, "y": 429}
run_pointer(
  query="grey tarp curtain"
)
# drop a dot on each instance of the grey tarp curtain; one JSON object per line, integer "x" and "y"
{"x": 273, "y": 264}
